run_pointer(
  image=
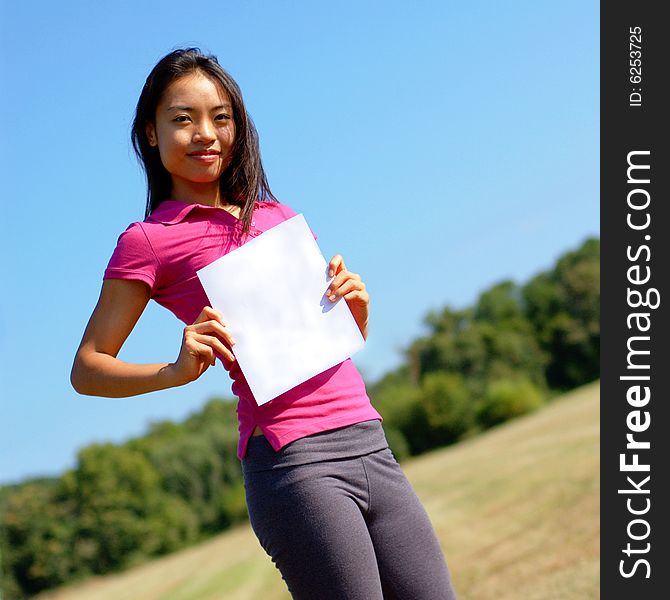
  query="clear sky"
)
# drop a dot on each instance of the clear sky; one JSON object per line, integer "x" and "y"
{"x": 439, "y": 146}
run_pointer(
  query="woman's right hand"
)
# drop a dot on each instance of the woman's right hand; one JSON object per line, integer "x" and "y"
{"x": 204, "y": 340}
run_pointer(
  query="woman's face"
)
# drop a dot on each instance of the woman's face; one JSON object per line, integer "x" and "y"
{"x": 194, "y": 133}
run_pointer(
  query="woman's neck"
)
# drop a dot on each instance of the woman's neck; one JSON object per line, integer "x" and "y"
{"x": 197, "y": 193}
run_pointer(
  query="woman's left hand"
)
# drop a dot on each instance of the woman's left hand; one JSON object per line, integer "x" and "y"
{"x": 349, "y": 286}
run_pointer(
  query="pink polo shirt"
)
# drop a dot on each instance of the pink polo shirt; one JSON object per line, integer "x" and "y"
{"x": 165, "y": 251}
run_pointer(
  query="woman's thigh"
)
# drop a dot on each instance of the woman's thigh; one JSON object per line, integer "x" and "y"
{"x": 410, "y": 560}
{"x": 310, "y": 520}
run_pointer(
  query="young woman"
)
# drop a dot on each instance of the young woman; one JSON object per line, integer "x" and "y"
{"x": 326, "y": 498}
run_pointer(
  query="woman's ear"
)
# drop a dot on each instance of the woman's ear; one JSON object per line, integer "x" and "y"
{"x": 150, "y": 130}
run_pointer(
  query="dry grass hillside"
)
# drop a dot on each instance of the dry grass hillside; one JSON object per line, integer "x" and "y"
{"x": 516, "y": 510}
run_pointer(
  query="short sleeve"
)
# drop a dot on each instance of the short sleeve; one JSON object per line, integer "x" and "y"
{"x": 133, "y": 258}
{"x": 288, "y": 212}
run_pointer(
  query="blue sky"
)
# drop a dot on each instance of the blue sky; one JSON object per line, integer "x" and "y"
{"x": 438, "y": 146}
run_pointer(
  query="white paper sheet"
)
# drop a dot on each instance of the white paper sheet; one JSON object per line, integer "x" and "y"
{"x": 271, "y": 291}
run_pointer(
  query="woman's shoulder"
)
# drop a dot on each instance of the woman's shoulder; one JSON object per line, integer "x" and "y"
{"x": 134, "y": 233}
{"x": 278, "y": 206}
{"x": 282, "y": 212}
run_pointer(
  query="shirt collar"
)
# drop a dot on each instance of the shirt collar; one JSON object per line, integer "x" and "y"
{"x": 171, "y": 212}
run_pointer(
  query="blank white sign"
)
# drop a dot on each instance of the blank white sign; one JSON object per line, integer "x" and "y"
{"x": 271, "y": 291}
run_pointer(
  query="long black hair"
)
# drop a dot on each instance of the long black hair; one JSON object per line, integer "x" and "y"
{"x": 244, "y": 180}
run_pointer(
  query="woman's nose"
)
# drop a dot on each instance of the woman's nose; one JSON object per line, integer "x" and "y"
{"x": 204, "y": 132}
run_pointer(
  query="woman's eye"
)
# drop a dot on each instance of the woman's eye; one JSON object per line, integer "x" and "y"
{"x": 222, "y": 117}
{"x": 180, "y": 119}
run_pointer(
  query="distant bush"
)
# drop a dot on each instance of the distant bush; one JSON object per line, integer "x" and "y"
{"x": 234, "y": 504}
{"x": 508, "y": 398}
{"x": 397, "y": 443}
{"x": 446, "y": 401}
{"x": 394, "y": 396}
{"x": 420, "y": 417}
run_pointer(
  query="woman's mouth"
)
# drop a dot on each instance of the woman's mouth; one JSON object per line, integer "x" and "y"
{"x": 205, "y": 156}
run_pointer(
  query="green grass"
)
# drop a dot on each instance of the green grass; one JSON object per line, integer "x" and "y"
{"x": 516, "y": 510}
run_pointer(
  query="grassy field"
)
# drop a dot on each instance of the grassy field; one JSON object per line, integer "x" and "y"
{"x": 516, "y": 510}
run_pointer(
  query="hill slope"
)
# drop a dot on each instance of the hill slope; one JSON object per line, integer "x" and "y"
{"x": 516, "y": 510}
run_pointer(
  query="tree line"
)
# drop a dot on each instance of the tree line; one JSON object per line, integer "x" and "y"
{"x": 511, "y": 352}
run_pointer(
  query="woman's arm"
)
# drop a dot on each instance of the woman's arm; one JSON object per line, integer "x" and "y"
{"x": 96, "y": 370}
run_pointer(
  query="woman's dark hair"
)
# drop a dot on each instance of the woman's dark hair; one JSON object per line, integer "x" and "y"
{"x": 244, "y": 181}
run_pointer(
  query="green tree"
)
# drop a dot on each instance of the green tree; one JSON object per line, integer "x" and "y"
{"x": 563, "y": 305}
{"x": 37, "y": 538}
{"x": 493, "y": 339}
{"x": 197, "y": 462}
{"x": 123, "y": 514}
{"x": 506, "y": 399}
{"x": 446, "y": 401}
{"x": 396, "y": 398}
{"x": 394, "y": 395}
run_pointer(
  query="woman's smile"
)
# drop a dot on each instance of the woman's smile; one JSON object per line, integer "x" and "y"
{"x": 205, "y": 156}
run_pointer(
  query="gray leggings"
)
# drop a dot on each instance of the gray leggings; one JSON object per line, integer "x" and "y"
{"x": 346, "y": 528}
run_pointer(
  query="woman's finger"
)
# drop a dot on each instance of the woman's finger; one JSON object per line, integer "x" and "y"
{"x": 208, "y": 313}
{"x": 338, "y": 280}
{"x": 217, "y": 314}
{"x": 336, "y": 265}
{"x": 205, "y": 315}
{"x": 349, "y": 285}
{"x": 203, "y": 353}
{"x": 214, "y": 343}
{"x": 361, "y": 295}
{"x": 341, "y": 279}
{"x": 216, "y": 327}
